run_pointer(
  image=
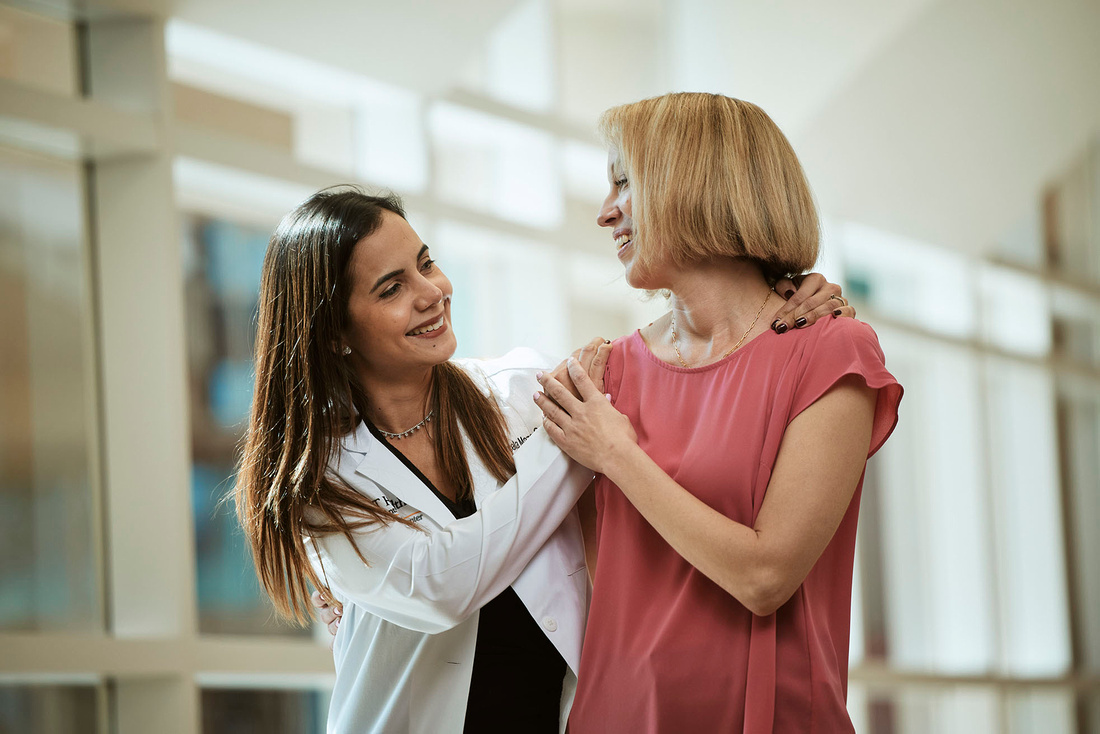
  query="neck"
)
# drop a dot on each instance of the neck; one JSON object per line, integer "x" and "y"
{"x": 718, "y": 300}
{"x": 397, "y": 403}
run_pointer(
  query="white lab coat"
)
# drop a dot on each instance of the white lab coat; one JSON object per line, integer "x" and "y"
{"x": 405, "y": 648}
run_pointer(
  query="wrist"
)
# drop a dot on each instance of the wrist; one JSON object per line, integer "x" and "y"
{"x": 620, "y": 460}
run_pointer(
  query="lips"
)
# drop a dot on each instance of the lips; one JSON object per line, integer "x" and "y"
{"x": 623, "y": 240}
{"x": 428, "y": 328}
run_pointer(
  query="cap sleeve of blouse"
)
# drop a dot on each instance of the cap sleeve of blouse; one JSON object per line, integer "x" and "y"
{"x": 845, "y": 347}
{"x": 613, "y": 372}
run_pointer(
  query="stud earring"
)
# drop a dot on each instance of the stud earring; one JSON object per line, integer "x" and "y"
{"x": 347, "y": 350}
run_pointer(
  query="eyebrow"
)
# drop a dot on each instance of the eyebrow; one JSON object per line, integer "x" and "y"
{"x": 395, "y": 273}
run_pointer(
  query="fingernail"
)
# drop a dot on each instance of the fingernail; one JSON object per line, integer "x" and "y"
{"x": 836, "y": 313}
{"x": 537, "y": 395}
{"x": 788, "y": 294}
{"x": 538, "y": 375}
{"x": 781, "y": 328}
{"x": 774, "y": 323}
{"x": 571, "y": 361}
{"x": 800, "y": 322}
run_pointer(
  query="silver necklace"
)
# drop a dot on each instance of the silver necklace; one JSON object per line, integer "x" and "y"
{"x": 411, "y": 431}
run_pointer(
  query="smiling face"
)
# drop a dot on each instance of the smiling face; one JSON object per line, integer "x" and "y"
{"x": 399, "y": 304}
{"x": 615, "y": 214}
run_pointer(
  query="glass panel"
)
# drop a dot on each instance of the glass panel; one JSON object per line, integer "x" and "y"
{"x": 1023, "y": 243}
{"x": 223, "y": 262}
{"x": 601, "y": 303}
{"x": 934, "y": 515}
{"x": 1079, "y": 432}
{"x": 231, "y": 711}
{"x": 859, "y": 707}
{"x": 508, "y": 292}
{"x": 1015, "y": 311}
{"x": 584, "y": 172}
{"x": 391, "y": 144}
{"x": 337, "y": 120}
{"x": 1023, "y": 469}
{"x": 970, "y": 709}
{"x": 1090, "y": 713}
{"x": 496, "y": 166}
{"x": 520, "y": 57}
{"x": 1041, "y": 711}
{"x": 48, "y": 537}
{"x": 1076, "y": 325}
{"x": 924, "y": 286}
{"x": 48, "y": 709}
{"x": 38, "y": 52}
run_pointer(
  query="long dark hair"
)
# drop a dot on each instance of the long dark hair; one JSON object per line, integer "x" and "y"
{"x": 306, "y": 398}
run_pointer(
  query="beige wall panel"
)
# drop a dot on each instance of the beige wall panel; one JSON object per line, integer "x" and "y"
{"x": 231, "y": 116}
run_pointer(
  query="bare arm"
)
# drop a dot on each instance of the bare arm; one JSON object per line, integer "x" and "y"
{"x": 815, "y": 475}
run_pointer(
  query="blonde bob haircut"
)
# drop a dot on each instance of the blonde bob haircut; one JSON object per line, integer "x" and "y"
{"x": 712, "y": 177}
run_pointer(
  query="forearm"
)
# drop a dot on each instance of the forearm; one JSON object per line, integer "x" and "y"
{"x": 431, "y": 581}
{"x": 732, "y": 555}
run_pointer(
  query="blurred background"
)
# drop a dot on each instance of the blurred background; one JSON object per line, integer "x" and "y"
{"x": 148, "y": 148}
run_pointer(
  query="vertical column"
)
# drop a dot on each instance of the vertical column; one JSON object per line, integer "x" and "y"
{"x": 139, "y": 294}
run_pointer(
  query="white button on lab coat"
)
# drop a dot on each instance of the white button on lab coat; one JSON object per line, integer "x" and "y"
{"x": 404, "y": 651}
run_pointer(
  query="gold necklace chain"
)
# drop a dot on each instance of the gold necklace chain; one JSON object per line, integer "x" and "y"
{"x": 675, "y": 336}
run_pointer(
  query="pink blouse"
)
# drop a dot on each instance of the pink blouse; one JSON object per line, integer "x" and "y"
{"x": 668, "y": 650}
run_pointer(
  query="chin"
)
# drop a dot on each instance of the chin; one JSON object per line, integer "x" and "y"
{"x": 446, "y": 349}
{"x": 643, "y": 279}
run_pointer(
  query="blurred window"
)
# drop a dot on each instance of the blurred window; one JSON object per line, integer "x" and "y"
{"x": 241, "y": 711}
{"x": 223, "y": 261}
{"x": 1027, "y": 513}
{"x": 924, "y": 286}
{"x": 48, "y": 533}
{"x": 496, "y": 166}
{"x": 520, "y": 60}
{"x": 48, "y": 709}
{"x": 933, "y": 506}
{"x": 508, "y": 292}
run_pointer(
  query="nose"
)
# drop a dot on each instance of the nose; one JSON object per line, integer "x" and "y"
{"x": 609, "y": 213}
{"x": 429, "y": 294}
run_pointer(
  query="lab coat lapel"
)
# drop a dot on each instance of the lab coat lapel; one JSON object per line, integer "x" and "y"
{"x": 382, "y": 467}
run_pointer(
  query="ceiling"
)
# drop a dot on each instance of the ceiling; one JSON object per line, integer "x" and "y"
{"x": 936, "y": 119}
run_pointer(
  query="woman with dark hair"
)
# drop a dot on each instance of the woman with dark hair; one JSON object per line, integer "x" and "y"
{"x": 730, "y": 459}
{"x": 415, "y": 492}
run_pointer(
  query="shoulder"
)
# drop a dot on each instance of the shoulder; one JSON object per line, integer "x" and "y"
{"x": 843, "y": 336}
{"x": 514, "y": 370}
{"x": 522, "y": 359}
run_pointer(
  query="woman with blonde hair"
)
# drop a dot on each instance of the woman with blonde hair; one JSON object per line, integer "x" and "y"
{"x": 729, "y": 459}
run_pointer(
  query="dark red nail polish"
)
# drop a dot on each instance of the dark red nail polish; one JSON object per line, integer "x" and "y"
{"x": 774, "y": 324}
{"x": 788, "y": 294}
{"x": 781, "y": 328}
{"x": 800, "y": 322}
{"x": 836, "y": 313}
